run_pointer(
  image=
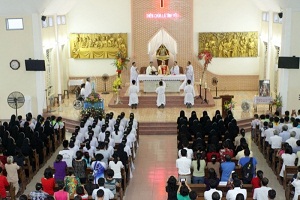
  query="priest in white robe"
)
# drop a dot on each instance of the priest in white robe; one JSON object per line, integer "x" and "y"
{"x": 150, "y": 69}
{"x": 134, "y": 74}
{"x": 133, "y": 95}
{"x": 175, "y": 69}
{"x": 189, "y": 94}
{"x": 161, "y": 96}
{"x": 88, "y": 88}
{"x": 190, "y": 72}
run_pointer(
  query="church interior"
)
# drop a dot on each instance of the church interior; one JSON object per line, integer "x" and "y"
{"x": 80, "y": 39}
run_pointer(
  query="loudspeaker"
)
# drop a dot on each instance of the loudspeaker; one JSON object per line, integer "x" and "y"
{"x": 43, "y": 18}
{"x": 280, "y": 15}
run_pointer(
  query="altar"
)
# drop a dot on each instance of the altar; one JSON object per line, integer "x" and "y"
{"x": 262, "y": 100}
{"x": 151, "y": 82}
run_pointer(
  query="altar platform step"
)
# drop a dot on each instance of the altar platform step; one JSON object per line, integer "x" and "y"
{"x": 245, "y": 124}
{"x": 158, "y": 128}
{"x": 173, "y": 101}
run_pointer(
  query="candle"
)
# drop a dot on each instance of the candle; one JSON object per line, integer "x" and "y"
{"x": 205, "y": 85}
{"x": 200, "y": 82}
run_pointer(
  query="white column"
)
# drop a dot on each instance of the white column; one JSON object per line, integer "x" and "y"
{"x": 285, "y": 51}
{"x": 269, "y": 55}
{"x": 38, "y": 54}
{"x": 57, "y": 59}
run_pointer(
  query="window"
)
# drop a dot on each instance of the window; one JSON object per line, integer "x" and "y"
{"x": 14, "y": 24}
{"x": 50, "y": 21}
{"x": 265, "y": 16}
{"x": 45, "y": 23}
{"x": 63, "y": 19}
{"x": 58, "y": 20}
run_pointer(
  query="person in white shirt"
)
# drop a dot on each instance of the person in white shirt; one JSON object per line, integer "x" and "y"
{"x": 134, "y": 74}
{"x": 107, "y": 193}
{"x": 255, "y": 123}
{"x": 175, "y": 69}
{"x": 275, "y": 141}
{"x": 150, "y": 69}
{"x": 269, "y": 132}
{"x": 189, "y": 94}
{"x": 183, "y": 165}
{"x": 241, "y": 153}
{"x": 285, "y": 134}
{"x": 67, "y": 154}
{"x": 88, "y": 88}
{"x": 231, "y": 194}
{"x": 213, "y": 184}
{"x": 190, "y": 72}
{"x": 292, "y": 141}
{"x": 189, "y": 153}
{"x": 133, "y": 95}
{"x": 104, "y": 152}
{"x": 262, "y": 192}
{"x": 298, "y": 114}
{"x": 116, "y": 165}
{"x": 297, "y": 130}
{"x": 161, "y": 96}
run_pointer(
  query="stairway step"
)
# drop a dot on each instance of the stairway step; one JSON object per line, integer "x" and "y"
{"x": 158, "y": 132}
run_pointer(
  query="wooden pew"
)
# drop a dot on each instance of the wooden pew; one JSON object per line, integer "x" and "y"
{"x": 288, "y": 174}
{"x": 274, "y": 160}
{"x": 28, "y": 169}
{"x": 22, "y": 178}
{"x": 36, "y": 161}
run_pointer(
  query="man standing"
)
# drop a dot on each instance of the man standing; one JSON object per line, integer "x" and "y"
{"x": 150, "y": 69}
{"x": 183, "y": 165}
{"x": 213, "y": 184}
{"x": 38, "y": 193}
{"x": 175, "y": 69}
{"x": 262, "y": 192}
{"x": 248, "y": 168}
{"x": 88, "y": 88}
{"x": 231, "y": 194}
{"x": 134, "y": 74}
{"x": 67, "y": 154}
{"x": 107, "y": 193}
{"x": 285, "y": 134}
{"x": 190, "y": 73}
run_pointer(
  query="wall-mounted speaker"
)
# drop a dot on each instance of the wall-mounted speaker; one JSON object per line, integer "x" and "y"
{"x": 43, "y": 18}
{"x": 280, "y": 15}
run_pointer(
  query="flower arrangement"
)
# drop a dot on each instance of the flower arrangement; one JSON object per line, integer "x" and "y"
{"x": 93, "y": 98}
{"x": 229, "y": 105}
{"x": 117, "y": 84}
{"x": 277, "y": 101}
{"x": 120, "y": 62}
{"x": 207, "y": 56}
{"x": 92, "y": 111}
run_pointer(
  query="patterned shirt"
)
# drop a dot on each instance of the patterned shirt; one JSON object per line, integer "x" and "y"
{"x": 38, "y": 195}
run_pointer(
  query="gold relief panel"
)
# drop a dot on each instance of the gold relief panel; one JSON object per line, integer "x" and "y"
{"x": 97, "y": 45}
{"x": 229, "y": 44}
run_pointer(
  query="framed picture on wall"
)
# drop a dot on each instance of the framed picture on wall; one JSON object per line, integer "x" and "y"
{"x": 264, "y": 88}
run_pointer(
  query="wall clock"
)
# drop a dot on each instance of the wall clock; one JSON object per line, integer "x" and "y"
{"x": 14, "y": 64}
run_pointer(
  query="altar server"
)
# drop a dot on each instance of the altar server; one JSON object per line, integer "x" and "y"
{"x": 161, "y": 97}
{"x": 134, "y": 74}
{"x": 133, "y": 95}
{"x": 175, "y": 69}
{"x": 190, "y": 72}
{"x": 88, "y": 88}
{"x": 189, "y": 94}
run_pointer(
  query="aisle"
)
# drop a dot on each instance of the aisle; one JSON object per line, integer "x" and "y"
{"x": 263, "y": 165}
{"x": 154, "y": 163}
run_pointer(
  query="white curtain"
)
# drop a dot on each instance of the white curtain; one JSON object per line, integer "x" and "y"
{"x": 162, "y": 37}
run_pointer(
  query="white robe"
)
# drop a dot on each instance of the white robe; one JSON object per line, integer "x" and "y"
{"x": 88, "y": 89}
{"x": 161, "y": 97}
{"x": 148, "y": 70}
{"x": 190, "y": 74}
{"x": 189, "y": 94}
{"x": 134, "y": 76}
{"x": 133, "y": 95}
{"x": 175, "y": 70}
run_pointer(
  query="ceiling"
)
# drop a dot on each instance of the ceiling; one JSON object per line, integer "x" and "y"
{"x": 62, "y": 7}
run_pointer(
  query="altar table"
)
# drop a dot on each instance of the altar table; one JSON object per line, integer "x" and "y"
{"x": 151, "y": 82}
{"x": 262, "y": 100}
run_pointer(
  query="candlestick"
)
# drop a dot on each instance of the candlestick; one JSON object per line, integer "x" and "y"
{"x": 205, "y": 85}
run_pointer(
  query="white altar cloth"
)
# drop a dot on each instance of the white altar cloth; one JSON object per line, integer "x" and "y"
{"x": 173, "y": 82}
{"x": 144, "y": 77}
{"x": 76, "y": 82}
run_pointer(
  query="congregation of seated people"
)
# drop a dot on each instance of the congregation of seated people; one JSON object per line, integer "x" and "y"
{"x": 215, "y": 161}
{"x": 91, "y": 165}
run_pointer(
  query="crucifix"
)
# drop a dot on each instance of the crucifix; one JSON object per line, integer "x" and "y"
{"x": 161, "y": 3}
